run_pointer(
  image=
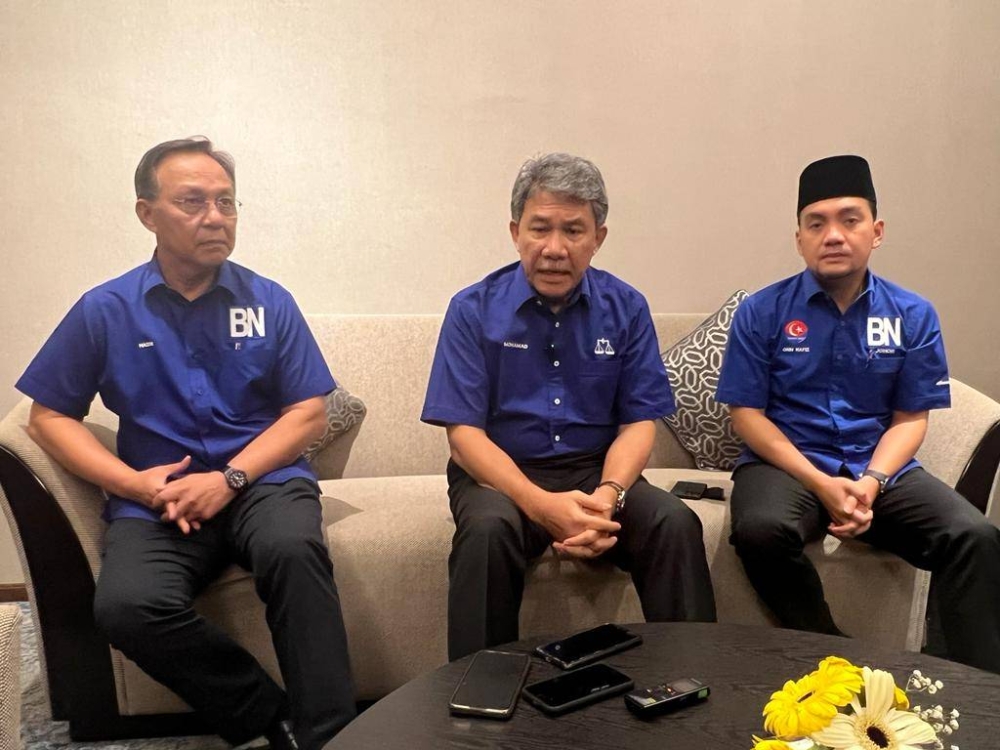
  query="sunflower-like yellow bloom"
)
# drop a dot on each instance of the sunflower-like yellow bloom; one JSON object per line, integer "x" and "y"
{"x": 836, "y": 681}
{"x": 876, "y": 725}
{"x": 769, "y": 744}
{"x": 797, "y": 710}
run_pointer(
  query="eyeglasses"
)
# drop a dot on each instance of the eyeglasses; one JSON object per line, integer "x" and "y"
{"x": 194, "y": 206}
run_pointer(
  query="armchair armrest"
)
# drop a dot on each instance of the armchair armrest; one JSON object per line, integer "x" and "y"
{"x": 962, "y": 447}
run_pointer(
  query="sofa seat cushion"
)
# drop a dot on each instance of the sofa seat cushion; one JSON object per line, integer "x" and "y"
{"x": 390, "y": 537}
{"x": 857, "y": 578}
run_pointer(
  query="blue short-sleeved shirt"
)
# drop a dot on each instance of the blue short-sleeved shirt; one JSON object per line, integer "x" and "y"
{"x": 831, "y": 381}
{"x": 202, "y": 378}
{"x": 544, "y": 384}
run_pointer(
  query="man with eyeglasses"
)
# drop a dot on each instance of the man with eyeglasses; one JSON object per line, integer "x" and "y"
{"x": 830, "y": 376}
{"x": 548, "y": 379}
{"x": 218, "y": 385}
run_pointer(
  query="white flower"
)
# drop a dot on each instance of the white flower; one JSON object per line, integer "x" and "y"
{"x": 876, "y": 725}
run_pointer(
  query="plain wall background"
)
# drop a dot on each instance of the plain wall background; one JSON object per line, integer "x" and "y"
{"x": 376, "y": 144}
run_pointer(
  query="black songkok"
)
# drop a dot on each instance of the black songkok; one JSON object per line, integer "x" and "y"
{"x": 835, "y": 177}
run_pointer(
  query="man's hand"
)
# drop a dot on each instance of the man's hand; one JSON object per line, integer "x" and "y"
{"x": 849, "y": 504}
{"x": 194, "y": 498}
{"x": 576, "y": 521}
{"x": 596, "y": 536}
{"x": 145, "y": 486}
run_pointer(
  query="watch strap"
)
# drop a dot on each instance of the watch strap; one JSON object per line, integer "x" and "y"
{"x": 878, "y": 476}
{"x": 620, "y": 500}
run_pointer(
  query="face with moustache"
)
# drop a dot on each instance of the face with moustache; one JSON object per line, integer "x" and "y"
{"x": 836, "y": 238}
{"x": 197, "y": 244}
{"x": 556, "y": 238}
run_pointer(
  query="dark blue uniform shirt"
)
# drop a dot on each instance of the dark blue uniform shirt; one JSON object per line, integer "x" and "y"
{"x": 831, "y": 381}
{"x": 544, "y": 384}
{"x": 202, "y": 378}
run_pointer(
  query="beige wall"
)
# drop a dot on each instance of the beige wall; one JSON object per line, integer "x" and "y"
{"x": 377, "y": 141}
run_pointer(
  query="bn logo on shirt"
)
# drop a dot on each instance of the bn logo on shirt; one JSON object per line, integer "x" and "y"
{"x": 884, "y": 332}
{"x": 246, "y": 322}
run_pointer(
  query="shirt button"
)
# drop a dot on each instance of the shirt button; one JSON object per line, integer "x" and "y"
{"x": 556, "y": 363}
{"x": 557, "y": 401}
{"x": 558, "y": 438}
{"x": 557, "y": 324}
{"x": 538, "y": 302}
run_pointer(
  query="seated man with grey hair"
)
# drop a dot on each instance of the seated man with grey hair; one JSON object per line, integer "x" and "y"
{"x": 547, "y": 378}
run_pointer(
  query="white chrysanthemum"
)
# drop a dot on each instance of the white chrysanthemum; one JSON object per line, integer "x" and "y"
{"x": 876, "y": 725}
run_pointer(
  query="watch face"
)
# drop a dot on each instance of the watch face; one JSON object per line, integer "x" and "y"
{"x": 236, "y": 479}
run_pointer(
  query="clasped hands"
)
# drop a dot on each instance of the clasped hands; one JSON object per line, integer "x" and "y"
{"x": 188, "y": 500}
{"x": 849, "y": 503}
{"x": 581, "y": 523}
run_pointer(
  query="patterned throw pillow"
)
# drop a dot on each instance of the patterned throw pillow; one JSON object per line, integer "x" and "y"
{"x": 343, "y": 411}
{"x": 702, "y": 424}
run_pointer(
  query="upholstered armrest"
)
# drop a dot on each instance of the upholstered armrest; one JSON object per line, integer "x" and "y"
{"x": 55, "y": 519}
{"x": 962, "y": 447}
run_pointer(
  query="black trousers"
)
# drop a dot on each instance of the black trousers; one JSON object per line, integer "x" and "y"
{"x": 660, "y": 544}
{"x": 152, "y": 573}
{"x": 919, "y": 518}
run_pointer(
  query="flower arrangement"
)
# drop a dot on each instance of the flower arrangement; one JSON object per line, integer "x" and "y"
{"x": 840, "y": 706}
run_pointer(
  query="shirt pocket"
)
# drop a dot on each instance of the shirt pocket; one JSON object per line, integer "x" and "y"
{"x": 876, "y": 384}
{"x": 245, "y": 374}
{"x": 597, "y": 390}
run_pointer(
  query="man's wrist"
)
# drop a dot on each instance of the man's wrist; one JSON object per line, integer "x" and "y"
{"x": 880, "y": 478}
{"x": 619, "y": 497}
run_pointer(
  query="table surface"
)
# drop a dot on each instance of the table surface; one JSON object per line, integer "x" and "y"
{"x": 743, "y": 666}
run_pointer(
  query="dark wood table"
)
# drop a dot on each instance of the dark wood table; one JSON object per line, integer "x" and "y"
{"x": 743, "y": 665}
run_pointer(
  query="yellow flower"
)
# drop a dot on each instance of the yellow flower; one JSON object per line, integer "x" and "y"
{"x": 836, "y": 681}
{"x": 797, "y": 709}
{"x": 900, "y": 699}
{"x": 876, "y": 725}
{"x": 771, "y": 744}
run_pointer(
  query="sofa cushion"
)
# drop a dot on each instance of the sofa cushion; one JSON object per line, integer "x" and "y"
{"x": 702, "y": 424}
{"x": 343, "y": 411}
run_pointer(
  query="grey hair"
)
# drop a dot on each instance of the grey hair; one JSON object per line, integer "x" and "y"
{"x": 563, "y": 174}
{"x": 146, "y": 184}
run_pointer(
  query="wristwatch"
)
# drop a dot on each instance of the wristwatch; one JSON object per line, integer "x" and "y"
{"x": 878, "y": 476}
{"x": 620, "y": 500}
{"x": 237, "y": 479}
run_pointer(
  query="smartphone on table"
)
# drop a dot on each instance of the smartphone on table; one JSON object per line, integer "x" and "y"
{"x": 588, "y": 646}
{"x": 577, "y": 688}
{"x": 491, "y": 685}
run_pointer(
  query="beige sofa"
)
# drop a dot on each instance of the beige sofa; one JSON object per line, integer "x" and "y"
{"x": 389, "y": 532}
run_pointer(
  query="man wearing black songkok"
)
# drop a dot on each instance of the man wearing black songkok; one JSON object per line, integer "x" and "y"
{"x": 830, "y": 376}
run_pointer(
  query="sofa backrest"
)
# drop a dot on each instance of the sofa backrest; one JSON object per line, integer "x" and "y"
{"x": 385, "y": 360}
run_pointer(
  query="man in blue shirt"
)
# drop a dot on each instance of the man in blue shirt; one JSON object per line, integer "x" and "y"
{"x": 218, "y": 385}
{"x": 830, "y": 375}
{"x": 548, "y": 378}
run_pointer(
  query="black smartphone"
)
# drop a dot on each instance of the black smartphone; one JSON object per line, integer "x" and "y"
{"x": 577, "y": 688}
{"x": 490, "y": 685}
{"x": 588, "y": 646}
{"x": 689, "y": 490}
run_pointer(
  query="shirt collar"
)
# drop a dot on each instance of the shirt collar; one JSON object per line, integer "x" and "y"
{"x": 523, "y": 292}
{"x": 811, "y": 287}
{"x": 228, "y": 279}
